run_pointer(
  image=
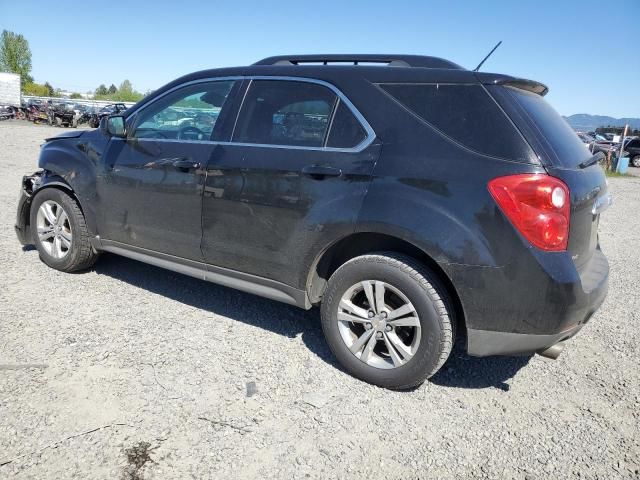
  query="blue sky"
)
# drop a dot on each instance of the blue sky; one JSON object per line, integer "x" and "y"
{"x": 583, "y": 50}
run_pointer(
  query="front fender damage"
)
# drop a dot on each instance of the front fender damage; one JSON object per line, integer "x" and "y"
{"x": 30, "y": 185}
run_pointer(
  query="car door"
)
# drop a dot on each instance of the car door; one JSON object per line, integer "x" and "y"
{"x": 291, "y": 180}
{"x": 150, "y": 184}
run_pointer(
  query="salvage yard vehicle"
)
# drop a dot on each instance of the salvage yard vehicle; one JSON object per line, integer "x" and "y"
{"x": 64, "y": 115}
{"x": 632, "y": 147}
{"x": 105, "y": 111}
{"x": 416, "y": 202}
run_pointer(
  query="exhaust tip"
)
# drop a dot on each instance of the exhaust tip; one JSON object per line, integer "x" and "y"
{"x": 552, "y": 352}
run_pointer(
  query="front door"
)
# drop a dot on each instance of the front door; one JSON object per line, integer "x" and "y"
{"x": 150, "y": 186}
{"x": 293, "y": 177}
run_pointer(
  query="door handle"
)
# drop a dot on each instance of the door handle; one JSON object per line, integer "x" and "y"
{"x": 319, "y": 172}
{"x": 184, "y": 164}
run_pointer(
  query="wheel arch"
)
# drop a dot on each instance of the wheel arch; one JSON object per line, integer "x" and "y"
{"x": 362, "y": 243}
{"x": 34, "y": 184}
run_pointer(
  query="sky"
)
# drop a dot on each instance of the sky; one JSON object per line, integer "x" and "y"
{"x": 583, "y": 50}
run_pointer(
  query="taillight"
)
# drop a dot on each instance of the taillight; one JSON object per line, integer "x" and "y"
{"x": 537, "y": 205}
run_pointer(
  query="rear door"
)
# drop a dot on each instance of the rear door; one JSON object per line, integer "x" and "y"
{"x": 292, "y": 178}
{"x": 565, "y": 157}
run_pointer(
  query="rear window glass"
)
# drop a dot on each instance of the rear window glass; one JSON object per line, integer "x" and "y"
{"x": 566, "y": 145}
{"x": 466, "y": 114}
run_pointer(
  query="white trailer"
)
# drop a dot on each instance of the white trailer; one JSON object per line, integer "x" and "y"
{"x": 9, "y": 89}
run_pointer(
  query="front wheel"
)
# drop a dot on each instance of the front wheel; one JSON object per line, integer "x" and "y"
{"x": 59, "y": 231}
{"x": 387, "y": 320}
{"x": 635, "y": 161}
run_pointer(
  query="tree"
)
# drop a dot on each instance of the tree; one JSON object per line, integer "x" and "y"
{"x": 35, "y": 89}
{"x": 101, "y": 90}
{"x": 112, "y": 89}
{"x": 50, "y": 89}
{"x": 75, "y": 95}
{"x": 15, "y": 56}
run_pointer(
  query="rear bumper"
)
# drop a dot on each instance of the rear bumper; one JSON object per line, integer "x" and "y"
{"x": 483, "y": 343}
{"x": 529, "y": 306}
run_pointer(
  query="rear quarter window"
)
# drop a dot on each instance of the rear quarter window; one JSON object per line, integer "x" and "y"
{"x": 466, "y": 114}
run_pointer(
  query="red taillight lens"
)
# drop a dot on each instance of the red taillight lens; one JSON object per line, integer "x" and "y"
{"x": 537, "y": 205}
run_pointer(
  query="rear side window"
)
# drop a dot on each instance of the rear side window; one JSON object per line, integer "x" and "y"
{"x": 346, "y": 130}
{"x": 634, "y": 144}
{"x": 566, "y": 145}
{"x": 280, "y": 112}
{"x": 466, "y": 114}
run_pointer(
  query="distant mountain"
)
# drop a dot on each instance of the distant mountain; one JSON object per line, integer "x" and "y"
{"x": 584, "y": 121}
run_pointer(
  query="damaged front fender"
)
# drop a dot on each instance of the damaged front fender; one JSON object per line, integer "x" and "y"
{"x": 30, "y": 185}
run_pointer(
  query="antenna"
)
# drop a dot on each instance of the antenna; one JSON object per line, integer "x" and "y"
{"x": 485, "y": 58}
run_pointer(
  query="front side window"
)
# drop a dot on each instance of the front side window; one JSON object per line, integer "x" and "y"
{"x": 189, "y": 113}
{"x": 282, "y": 112}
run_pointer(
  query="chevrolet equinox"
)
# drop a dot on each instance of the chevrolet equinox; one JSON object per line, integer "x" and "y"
{"x": 413, "y": 200}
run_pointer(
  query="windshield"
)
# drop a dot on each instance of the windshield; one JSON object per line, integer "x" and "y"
{"x": 561, "y": 138}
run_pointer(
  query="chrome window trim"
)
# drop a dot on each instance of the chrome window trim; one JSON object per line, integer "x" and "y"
{"x": 368, "y": 140}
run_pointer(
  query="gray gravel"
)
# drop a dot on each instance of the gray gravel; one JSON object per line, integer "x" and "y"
{"x": 130, "y": 371}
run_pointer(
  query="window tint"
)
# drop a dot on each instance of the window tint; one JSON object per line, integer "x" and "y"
{"x": 189, "y": 113}
{"x": 346, "y": 130}
{"x": 466, "y": 114}
{"x": 634, "y": 143}
{"x": 556, "y": 131}
{"x": 278, "y": 112}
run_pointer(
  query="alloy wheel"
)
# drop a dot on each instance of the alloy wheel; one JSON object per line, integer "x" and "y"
{"x": 54, "y": 229}
{"x": 378, "y": 324}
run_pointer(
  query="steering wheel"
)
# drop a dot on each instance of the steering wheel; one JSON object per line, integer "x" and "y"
{"x": 190, "y": 133}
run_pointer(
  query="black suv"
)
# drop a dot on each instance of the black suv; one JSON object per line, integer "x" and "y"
{"x": 413, "y": 200}
{"x": 633, "y": 151}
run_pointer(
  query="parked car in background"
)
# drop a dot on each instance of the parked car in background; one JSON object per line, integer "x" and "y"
{"x": 111, "y": 109}
{"x": 323, "y": 180}
{"x": 633, "y": 151}
{"x": 597, "y": 144}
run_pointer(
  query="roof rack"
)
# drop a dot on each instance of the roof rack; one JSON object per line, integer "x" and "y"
{"x": 342, "y": 59}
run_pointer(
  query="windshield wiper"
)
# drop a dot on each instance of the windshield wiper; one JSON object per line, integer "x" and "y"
{"x": 593, "y": 160}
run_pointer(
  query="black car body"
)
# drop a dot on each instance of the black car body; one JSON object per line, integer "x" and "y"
{"x": 418, "y": 159}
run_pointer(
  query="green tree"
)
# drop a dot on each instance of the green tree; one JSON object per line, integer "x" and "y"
{"x": 101, "y": 90}
{"x": 112, "y": 89}
{"x": 15, "y": 56}
{"x": 50, "y": 89}
{"x": 35, "y": 89}
{"x": 75, "y": 95}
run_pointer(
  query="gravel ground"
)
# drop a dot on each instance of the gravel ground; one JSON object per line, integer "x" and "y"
{"x": 130, "y": 371}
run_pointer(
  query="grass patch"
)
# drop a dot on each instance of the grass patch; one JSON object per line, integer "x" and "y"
{"x": 617, "y": 174}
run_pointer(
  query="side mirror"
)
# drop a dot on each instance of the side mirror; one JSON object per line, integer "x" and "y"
{"x": 116, "y": 126}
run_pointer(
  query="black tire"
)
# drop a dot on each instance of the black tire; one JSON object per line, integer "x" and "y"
{"x": 635, "y": 161}
{"x": 80, "y": 255}
{"x": 431, "y": 303}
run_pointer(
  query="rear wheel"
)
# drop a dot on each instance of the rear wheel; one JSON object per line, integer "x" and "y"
{"x": 387, "y": 320}
{"x": 635, "y": 161}
{"x": 59, "y": 231}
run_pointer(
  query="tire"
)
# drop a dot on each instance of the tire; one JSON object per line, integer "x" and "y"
{"x": 635, "y": 161}
{"x": 407, "y": 284}
{"x": 75, "y": 251}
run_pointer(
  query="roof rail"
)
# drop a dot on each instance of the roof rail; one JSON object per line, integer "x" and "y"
{"x": 390, "y": 60}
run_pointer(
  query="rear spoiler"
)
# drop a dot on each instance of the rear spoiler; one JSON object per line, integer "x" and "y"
{"x": 506, "y": 80}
